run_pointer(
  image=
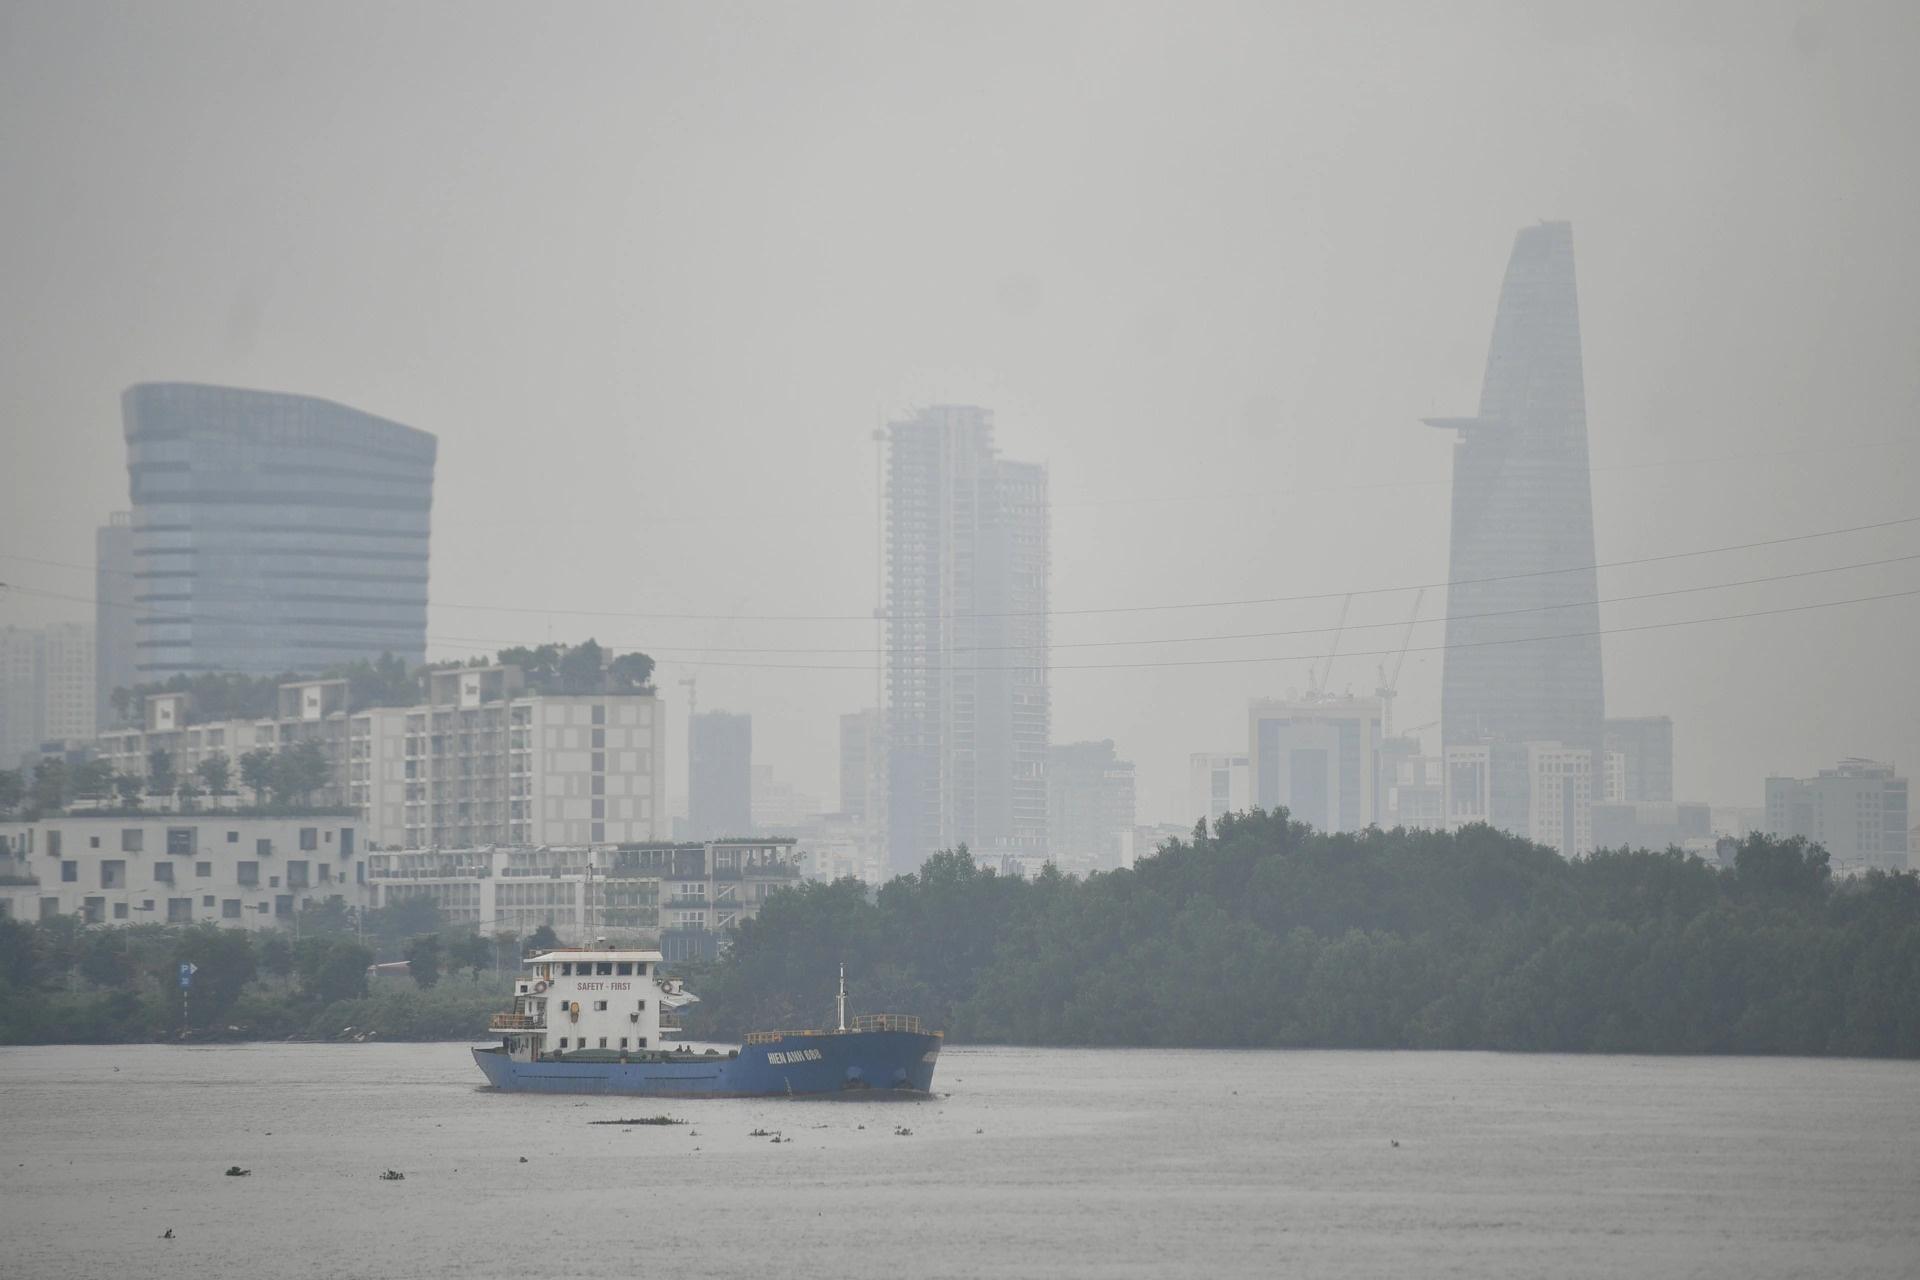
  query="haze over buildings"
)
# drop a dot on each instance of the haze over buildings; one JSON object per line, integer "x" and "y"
{"x": 1274, "y": 241}
{"x": 1523, "y": 658}
{"x": 273, "y": 533}
{"x": 966, "y": 610}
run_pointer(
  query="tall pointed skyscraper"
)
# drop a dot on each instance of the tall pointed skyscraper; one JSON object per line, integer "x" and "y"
{"x": 1523, "y": 662}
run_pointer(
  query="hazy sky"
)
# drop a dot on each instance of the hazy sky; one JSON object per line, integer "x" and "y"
{"x": 653, "y": 274}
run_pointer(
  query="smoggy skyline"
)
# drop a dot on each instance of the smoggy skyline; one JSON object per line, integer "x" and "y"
{"x": 654, "y": 279}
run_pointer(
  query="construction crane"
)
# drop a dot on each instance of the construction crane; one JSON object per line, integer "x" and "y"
{"x": 1317, "y": 680}
{"x": 1390, "y": 683}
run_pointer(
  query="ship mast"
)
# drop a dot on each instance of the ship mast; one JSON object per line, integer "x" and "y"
{"x": 843, "y": 996}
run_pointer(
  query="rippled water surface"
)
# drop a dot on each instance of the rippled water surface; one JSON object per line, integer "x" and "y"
{"x": 1036, "y": 1162}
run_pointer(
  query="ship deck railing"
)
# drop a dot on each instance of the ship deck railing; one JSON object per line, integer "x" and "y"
{"x": 514, "y": 1022}
{"x": 864, "y": 1022}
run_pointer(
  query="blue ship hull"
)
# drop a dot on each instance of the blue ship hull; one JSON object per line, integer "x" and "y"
{"x": 847, "y": 1063}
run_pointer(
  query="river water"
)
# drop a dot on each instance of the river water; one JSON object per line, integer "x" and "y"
{"x": 1151, "y": 1163}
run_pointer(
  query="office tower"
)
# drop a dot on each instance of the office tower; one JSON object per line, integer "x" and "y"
{"x": 862, "y": 748}
{"x": 113, "y": 647}
{"x": 1090, "y": 807}
{"x": 1645, "y": 747}
{"x": 1216, "y": 785}
{"x": 68, "y": 682}
{"x": 23, "y": 702}
{"x": 1523, "y": 657}
{"x": 1560, "y": 797}
{"x": 1316, "y": 758}
{"x": 967, "y": 708}
{"x": 1856, "y": 811}
{"x": 273, "y": 533}
{"x": 720, "y": 775}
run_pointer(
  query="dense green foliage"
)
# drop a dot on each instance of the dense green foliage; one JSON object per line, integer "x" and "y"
{"x": 1265, "y": 932}
{"x": 62, "y": 983}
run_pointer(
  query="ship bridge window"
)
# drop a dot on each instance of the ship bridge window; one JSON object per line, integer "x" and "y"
{"x": 566, "y": 967}
{"x": 599, "y": 1006}
{"x": 605, "y": 967}
{"x": 624, "y": 968}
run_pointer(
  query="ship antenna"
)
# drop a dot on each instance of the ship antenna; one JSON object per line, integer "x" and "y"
{"x": 843, "y": 995}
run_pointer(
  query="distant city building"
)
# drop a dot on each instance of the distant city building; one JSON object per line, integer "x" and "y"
{"x": 114, "y": 653}
{"x": 966, "y": 607}
{"x": 1411, "y": 786}
{"x": 46, "y": 689}
{"x": 23, "y": 700}
{"x": 1217, "y": 784}
{"x": 1857, "y": 811}
{"x": 1645, "y": 747}
{"x": 863, "y": 760}
{"x": 1090, "y": 807}
{"x": 719, "y": 775}
{"x": 1467, "y": 781}
{"x": 273, "y": 533}
{"x": 481, "y": 762}
{"x": 779, "y": 808}
{"x": 1560, "y": 789}
{"x": 1523, "y": 651}
{"x": 183, "y": 868}
{"x": 1652, "y": 824}
{"x": 1316, "y": 758}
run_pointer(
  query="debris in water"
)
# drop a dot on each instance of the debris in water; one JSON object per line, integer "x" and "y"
{"x": 168, "y": 1235}
{"x": 393, "y": 1175}
{"x": 523, "y": 1159}
{"x": 235, "y": 1171}
{"x": 641, "y": 1120}
{"x": 901, "y": 1131}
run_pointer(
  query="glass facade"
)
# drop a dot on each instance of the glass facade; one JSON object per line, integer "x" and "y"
{"x": 273, "y": 533}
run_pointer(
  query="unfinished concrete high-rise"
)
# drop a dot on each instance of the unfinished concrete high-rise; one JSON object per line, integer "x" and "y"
{"x": 966, "y": 609}
{"x": 1523, "y": 656}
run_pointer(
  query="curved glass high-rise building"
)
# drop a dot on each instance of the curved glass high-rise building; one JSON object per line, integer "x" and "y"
{"x": 273, "y": 533}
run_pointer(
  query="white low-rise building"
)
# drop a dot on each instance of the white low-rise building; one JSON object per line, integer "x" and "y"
{"x": 218, "y": 868}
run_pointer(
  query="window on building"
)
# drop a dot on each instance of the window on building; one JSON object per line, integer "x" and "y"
{"x": 49, "y": 908}
{"x": 163, "y": 873}
{"x": 119, "y": 911}
{"x": 94, "y": 910}
{"x": 563, "y": 1042}
{"x": 599, "y": 741}
{"x": 623, "y": 1042}
{"x": 247, "y": 873}
{"x": 113, "y": 873}
{"x": 309, "y": 838}
{"x": 263, "y": 846}
{"x": 599, "y": 713}
{"x": 230, "y": 908}
{"x": 273, "y": 882}
{"x": 53, "y": 843}
{"x": 203, "y": 868}
{"x": 297, "y": 874}
{"x": 599, "y": 787}
{"x": 180, "y": 839}
{"x": 179, "y": 910}
{"x": 326, "y": 872}
{"x": 131, "y": 839}
{"x": 603, "y": 1042}
{"x": 233, "y": 837}
{"x": 207, "y": 900}
{"x": 264, "y": 907}
{"x": 599, "y": 760}
{"x": 69, "y": 872}
{"x": 282, "y": 905}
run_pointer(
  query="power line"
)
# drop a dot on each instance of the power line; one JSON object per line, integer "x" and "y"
{"x": 870, "y": 650}
{"x": 1154, "y": 608}
{"x": 1349, "y": 653}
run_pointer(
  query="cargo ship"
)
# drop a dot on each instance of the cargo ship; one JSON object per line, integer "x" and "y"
{"x": 589, "y": 1020}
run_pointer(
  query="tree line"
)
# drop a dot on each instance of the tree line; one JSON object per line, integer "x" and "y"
{"x": 63, "y": 983}
{"x": 1264, "y": 932}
